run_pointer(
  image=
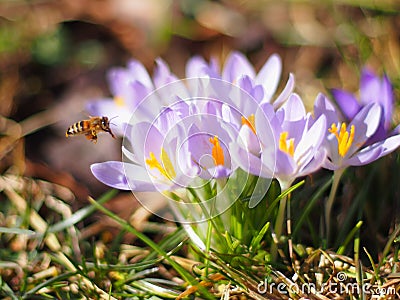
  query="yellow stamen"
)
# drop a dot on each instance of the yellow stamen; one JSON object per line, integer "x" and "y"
{"x": 286, "y": 145}
{"x": 217, "y": 152}
{"x": 119, "y": 101}
{"x": 345, "y": 139}
{"x": 165, "y": 167}
{"x": 249, "y": 121}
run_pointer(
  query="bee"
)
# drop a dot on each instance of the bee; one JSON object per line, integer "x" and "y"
{"x": 90, "y": 128}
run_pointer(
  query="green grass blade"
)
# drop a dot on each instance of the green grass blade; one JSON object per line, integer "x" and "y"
{"x": 6, "y": 290}
{"x": 351, "y": 234}
{"x": 255, "y": 243}
{"x": 310, "y": 206}
{"x": 388, "y": 245}
{"x": 182, "y": 272}
{"x": 46, "y": 283}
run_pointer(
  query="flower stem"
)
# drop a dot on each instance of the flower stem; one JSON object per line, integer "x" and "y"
{"x": 280, "y": 219}
{"x": 278, "y": 228}
{"x": 329, "y": 203}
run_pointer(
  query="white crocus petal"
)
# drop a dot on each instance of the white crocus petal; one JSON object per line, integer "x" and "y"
{"x": 248, "y": 140}
{"x": 311, "y": 140}
{"x": 365, "y": 124}
{"x": 314, "y": 164}
{"x": 269, "y": 76}
{"x": 129, "y": 155}
{"x": 284, "y": 95}
{"x": 293, "y": 108}
{"x": 370, "y": 115}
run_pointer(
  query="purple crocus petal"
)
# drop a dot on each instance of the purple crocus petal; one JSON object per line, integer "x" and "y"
{"x": 311, "y": 141}
{"x": 314, "y": 164}
{"x": 111, "y": 173}
{"x": 139, "y": 73}
{"x": 284, "y": 95}
{"x": 140, "y": 180}
{"x": 365, "y": 122}
{"x": 285, "y": 166}
{"x": 162, "y": 74}
{"x": 237, "y": 66}
{"x": 269, "y": 76}
{"x": 199, "y": 147}
{"x": 121, "y": 82}
{"x": 323, "y": 106}
{"x": 347, "y": 102}
{"x": 198, "y": 67}
{"x": 266, "y": 124}
{"x": 379, "y": 135}
{"x": 144, "y": 138}
{"x": 248, "y": 140}
{"x": 365, "y": 156}
{"x": 294, "y": 108}
{"x": 330, "y": 165}
{"x": 170, "y": 117}
{"x": 219, "y": 172}
{"x": 387, "y": 101}
{"x": 396, "y": 130}
{"x": 256, "y": 91}
{"x": 248, "y": 162}
{"x": 375, "y": 151}
{"x": 118, "y": 79}
{"x": 370, "y": 87}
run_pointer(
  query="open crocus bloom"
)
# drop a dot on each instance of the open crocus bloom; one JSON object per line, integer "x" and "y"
{"x": 290, "y": 149}
{"x": 151, "y": 168}
{"x": 346, "y": 142}
{"x": 372, "y": 90}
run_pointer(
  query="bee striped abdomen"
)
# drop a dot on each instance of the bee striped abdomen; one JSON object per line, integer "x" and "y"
{"x": 76, "y": 128}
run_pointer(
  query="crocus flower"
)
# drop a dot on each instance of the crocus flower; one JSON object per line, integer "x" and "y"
{"x": 154, "y": 165}
{"x": 346, "y": 142}
{"x": 292, "y": 148}
{"x": 351, "y": 144}
{"x": 372, "y": 90}
{"x": 129, "y": 87}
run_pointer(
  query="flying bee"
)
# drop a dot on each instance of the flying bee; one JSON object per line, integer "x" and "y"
{"x": 90, "y": 128}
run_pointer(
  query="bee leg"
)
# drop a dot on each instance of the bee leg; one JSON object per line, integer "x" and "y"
{"x": 91, "y": 136}
{"x": 110, "y": 132}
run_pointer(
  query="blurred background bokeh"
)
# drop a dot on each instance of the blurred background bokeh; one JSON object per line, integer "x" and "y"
{"x": 54, "y": 55}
